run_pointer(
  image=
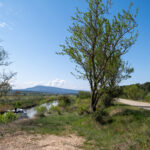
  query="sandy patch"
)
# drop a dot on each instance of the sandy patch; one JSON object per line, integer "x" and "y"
{"x": 24, "y": 141}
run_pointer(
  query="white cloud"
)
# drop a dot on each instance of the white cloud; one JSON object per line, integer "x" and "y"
{"x": 57, "y": 83}
{"x": 54, "y": 83}
{"x": 3, "y": 25}
{"x": 76, "y": 85}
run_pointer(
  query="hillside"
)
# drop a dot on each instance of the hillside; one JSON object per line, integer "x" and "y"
{"x": 50, "y": 90}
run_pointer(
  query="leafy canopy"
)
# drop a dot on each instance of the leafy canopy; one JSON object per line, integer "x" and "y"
{"x": 97, "y": 43}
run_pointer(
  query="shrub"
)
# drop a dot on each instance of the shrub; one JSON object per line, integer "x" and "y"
{"x": 107, "y": 100}
{"x": 134, "y": 92}
{"x": 42, "y": 101}
{"x": 18, "y": 104}
{"x": 109, "y": 94}
{"x": 56, "y": 109}
{"x": 147, "y": 97}
{"x": 41, "y": 110}
{"x": 65, "y": 101}
{"x": 7, "y": 117}
{"x": 83, "y": 109}
{"x": 101, "y": 116}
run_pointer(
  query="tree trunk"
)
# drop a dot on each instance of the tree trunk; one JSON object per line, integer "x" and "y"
{"x": 93, "y": 101}
{"x": 93, "y": 107}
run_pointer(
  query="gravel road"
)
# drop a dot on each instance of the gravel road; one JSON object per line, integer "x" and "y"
{"x": 143, "y": 105}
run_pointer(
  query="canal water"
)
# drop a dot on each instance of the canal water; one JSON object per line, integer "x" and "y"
{"x": 31, "y": 112}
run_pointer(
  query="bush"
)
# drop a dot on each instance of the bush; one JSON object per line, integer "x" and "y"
{"x": 41, "y": 110}
{"x": 109, "y": 94}
{"x": 107, "y": 100}
{"x": 65, "y": 101}
{"x": 101, "y": 116}
{"x": 83, "y": 109}
{"x": 147, "y": 97}
{"x": 7, "y": 117}
{"x": 18, "y": 104}
{"x": 55, "y": 109}
{"x": 134, "y": 92}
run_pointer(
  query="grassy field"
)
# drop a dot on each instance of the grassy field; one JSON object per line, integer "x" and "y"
{"x": 124, "y": 128}
{"x": 129, "y": 128}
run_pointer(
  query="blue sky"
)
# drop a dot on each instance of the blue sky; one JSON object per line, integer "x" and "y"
{"x": 32, "y": 30}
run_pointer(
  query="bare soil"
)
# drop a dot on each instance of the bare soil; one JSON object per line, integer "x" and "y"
{"x": 25, "y": 141}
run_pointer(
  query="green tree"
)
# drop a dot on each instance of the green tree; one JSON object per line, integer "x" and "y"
{"x": 134, "y": 92}
{"x": 96, "y": 44}
{"x": 5, "y": 78}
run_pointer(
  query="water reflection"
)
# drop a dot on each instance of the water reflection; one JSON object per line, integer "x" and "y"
{"x": 30, "y": 113}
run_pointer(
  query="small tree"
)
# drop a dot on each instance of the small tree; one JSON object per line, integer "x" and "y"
{"x": 97, "y": 42}
{"x": 5, "y": 78}
{"x": 5, "y": 86}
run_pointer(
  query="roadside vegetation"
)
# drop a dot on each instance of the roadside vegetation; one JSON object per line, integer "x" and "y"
{"x": 136, "y": 92}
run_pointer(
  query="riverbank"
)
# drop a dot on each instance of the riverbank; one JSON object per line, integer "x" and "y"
{"x": 24, "y": 102}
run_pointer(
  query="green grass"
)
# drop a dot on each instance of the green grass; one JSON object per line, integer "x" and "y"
{"x": 10, "y": 102}
{"x": 129, "y": 129}
{"x": 52, "y": 124}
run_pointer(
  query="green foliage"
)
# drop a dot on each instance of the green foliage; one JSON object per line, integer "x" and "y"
{"x": 83, "y": 109}
{"x": 23, "y": 101}
{"x": 145, "y": 86}
{"x": 55, "y": 109}
{"x": 5, "y": 88}
{"x": 97, "y": 43}
{"x": 18, "y": 104}
{"x": 41, "y": 110}
{"x": 83, "y": 95}
{"x": 101, "y": 116}
{"x": 134, "y": 92}
{"x": 82, "y": 106}
{"x": 65, "y": 101}
{"x": 109, "y": 94}
{"x": 43, "y": 101}
{"x": 107, "y": 100}
{"x": 147, "y": 97}
{"x": 7, "y": 117}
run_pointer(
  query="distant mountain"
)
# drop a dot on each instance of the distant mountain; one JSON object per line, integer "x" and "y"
{"x": 48, "y": 89}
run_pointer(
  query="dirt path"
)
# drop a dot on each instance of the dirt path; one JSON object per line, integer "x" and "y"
{"x": 143, "y": 105}
{"x": 24, "y": 141}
